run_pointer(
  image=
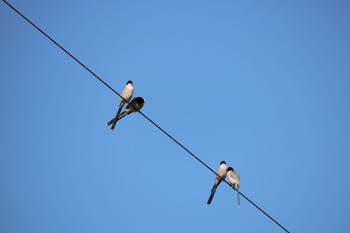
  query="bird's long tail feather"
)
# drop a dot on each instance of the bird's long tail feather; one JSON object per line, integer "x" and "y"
{"x": 116, "y": 117}
{"x": 238, "y": 199}
{"x": 213, "y": 190}
{"x": 123, "y": 114}
{"x": 110, "y": 122}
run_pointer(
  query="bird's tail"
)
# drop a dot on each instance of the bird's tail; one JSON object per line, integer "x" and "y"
{"x": 238, "y": 199}
{"x": 213, "y": 190}
{"x": 110, "y": 122}
{"x": 123, "y": 114}
{"x": 114, "y": 122}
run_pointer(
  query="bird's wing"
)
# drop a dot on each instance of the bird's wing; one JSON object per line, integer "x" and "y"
{"x": 236, "y": 177}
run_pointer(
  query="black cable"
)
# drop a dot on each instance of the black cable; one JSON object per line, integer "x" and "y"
{"x": 62, "y": 48}
{"x": 151, "y": 121}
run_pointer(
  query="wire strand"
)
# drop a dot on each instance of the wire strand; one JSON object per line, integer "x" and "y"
{"x": 146, "y": 117}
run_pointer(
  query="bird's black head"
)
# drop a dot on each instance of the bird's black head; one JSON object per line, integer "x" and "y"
{"x": 230, "y": 169}
{"x": 129, "y": 82}
{"x": 222, "y": 162}
{"x": 139, "y": 100}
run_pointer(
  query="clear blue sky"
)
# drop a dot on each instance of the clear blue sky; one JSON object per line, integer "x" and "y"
{"x": 264, "y": 85}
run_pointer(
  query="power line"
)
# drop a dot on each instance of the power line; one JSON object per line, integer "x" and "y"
{"x": 151, "y": 121}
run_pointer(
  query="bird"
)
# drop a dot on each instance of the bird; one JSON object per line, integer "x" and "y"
{"x": 222, "y": 171}
{"x": 234, "y": 179}
{"x": 125, "y": 96}
{"x": 135, "y": 105}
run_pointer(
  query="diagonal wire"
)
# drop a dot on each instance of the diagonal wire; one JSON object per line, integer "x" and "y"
{"x": 151, "y": 121}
